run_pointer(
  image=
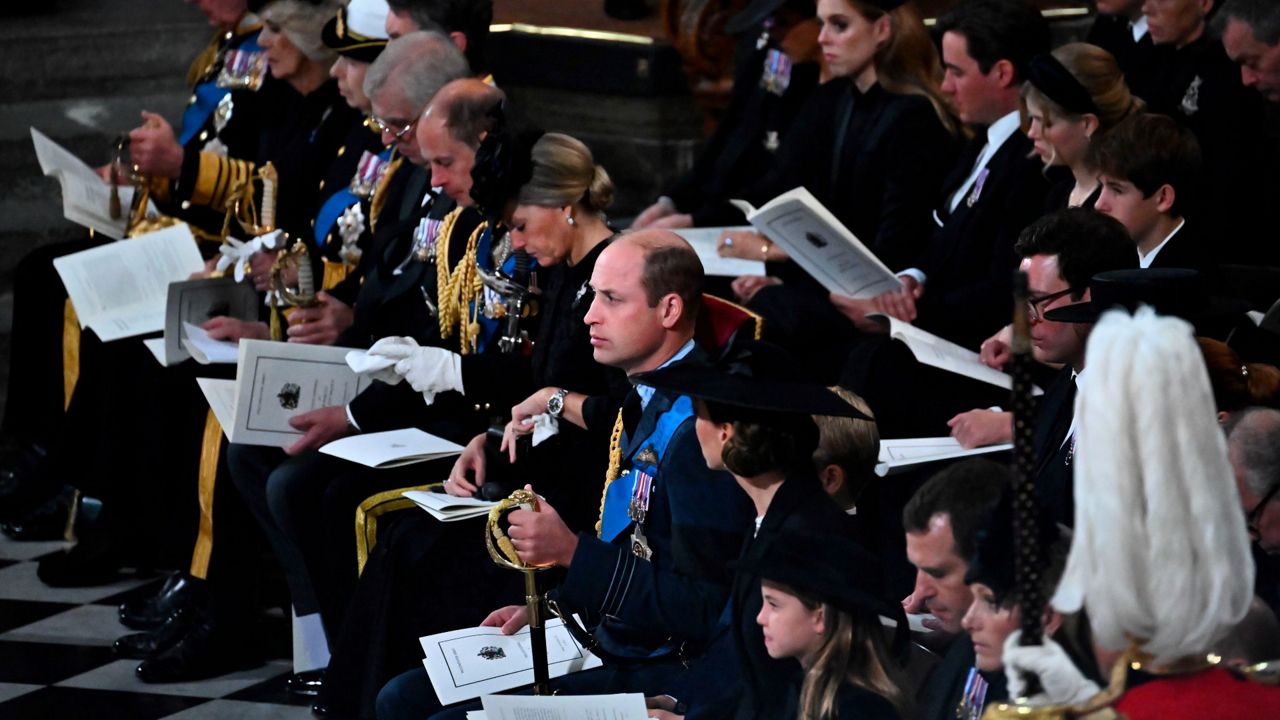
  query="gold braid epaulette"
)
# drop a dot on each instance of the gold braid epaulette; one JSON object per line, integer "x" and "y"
{"x": 615, "y": 467}
{"x": 459, "y": 288}
{"x": 206, "y": 61}
{"x": 380, "y": 193}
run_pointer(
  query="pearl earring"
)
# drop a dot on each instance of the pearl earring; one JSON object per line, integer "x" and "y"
{"x": 569, "y": 219}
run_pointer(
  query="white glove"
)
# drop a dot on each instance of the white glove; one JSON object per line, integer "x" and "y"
{"x": 429, "y": 370}
{"x": 236, "y": 253}
{"x": 375, "y": 366}
{"x": 1062, "y": 681}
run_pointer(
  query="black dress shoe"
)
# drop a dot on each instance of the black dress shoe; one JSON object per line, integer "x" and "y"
{"x": 48, "y": 521}
{"x": 86, "y": 565}
{"x": 208, "y": 649}
{"x": 139, "y": 646}
{"x": 306, "y": 683}
{"x": 179, "y": 591}
{"x": 320, "y": 709}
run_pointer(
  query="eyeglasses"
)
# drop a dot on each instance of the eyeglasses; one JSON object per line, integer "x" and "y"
{"x": 1036, "y": 303}
{"x": 1254, "y": 518}
{"x": 395, "y": 131}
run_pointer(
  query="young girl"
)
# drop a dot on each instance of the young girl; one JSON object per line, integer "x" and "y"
{"x": 821, "y": 607}
{"x": 1072, "y": 95}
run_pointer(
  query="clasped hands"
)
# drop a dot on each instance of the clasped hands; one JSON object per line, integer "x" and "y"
{"x": 429, "y": 370}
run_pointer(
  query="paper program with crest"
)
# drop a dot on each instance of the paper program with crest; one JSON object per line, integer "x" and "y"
{"x": 818, "y": 242}
{"x": 276, "y": 381}
{"x": 465, "y": 664}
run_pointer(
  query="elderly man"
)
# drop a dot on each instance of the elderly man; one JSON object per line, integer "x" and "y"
{"x": 1250, "y": 32}
{"x": 1253, "y": 445}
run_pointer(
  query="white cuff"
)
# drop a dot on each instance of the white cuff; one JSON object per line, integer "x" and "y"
{"x": 916, "y": 273}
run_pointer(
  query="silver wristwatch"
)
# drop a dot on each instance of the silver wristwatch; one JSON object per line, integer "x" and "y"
{"x": 555, "y": 403}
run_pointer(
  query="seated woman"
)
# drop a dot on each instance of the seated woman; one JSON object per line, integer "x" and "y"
{"x": 819, "y": 608}
{"x": 1071, "y": 97}
{"x": 755, "y": 419}
{"x": 873, "y": 145}
{"x": 996, "y": 613}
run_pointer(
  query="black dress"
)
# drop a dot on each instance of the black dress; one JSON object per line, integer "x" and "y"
{"x": 852, "y": 703}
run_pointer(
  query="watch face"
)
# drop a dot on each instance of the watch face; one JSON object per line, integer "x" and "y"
{"x": 555, "y": 405}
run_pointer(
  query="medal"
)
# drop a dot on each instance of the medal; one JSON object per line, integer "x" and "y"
{"x": 976, "y": 192}
{"x": 350, "y": 227}
{"x": 777, "y": 72}
{"x": 640, "y": 545}
{"x": 974, "y": 698}
{"x": 243, "y": 70}
{"x": 369, "y": 172}
{"x": 638, "y": 508}
{"x": 424, "y": 239}
{"x": 1191, "y": 100}
{"x": 647, "y": 457}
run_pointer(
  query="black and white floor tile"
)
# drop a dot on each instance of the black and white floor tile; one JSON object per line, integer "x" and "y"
{"x": 56, "y": 660}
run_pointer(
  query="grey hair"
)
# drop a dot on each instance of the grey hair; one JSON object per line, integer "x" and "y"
{"x": 1262, "y": 17}
{"x": 1160, "y": 552}
{"x": 420, "y": 63}
{"x": 1254, "y": 441}
{"x": 302, "y": 23}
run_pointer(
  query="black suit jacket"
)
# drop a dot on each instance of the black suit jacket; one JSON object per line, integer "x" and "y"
{"x": 876, "y": 160}
{"x": 970, "y": 259}
{"x": 1136, "y": 59}
{"x": 1188, "y": 249}
{"x": 1054, "y": 455}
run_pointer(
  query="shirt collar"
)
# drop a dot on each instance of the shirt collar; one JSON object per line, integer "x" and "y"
{"x": 644, "y": 391}
{"x": 1003, "y": 129}
{"x": 1138, "y": 28}
{"x": 1144, "y": 261}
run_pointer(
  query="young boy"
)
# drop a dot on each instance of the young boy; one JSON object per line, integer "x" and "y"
{"x": 1149, "y": 167}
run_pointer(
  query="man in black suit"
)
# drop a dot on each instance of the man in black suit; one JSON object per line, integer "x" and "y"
{"x": 961, "y": 291}
{"x": 1149, "y": 167}
{"x": 962, "y": 288}
{"x": 1060, "y": 254}
{"x": 1195, "y": 83}
{"x": 1121, "y": 29}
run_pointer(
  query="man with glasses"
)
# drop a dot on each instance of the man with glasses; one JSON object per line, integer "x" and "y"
{"x": 1060, "y": 254}
{"x": 1253, "y": 445}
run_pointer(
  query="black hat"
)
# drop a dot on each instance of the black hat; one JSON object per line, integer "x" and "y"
{"x": 754, "y": 375}
{"x": 503, "y": 164}
{"x": 832, "y": 569}
{"x": 1170, "y": 291}
{"x": 992, "y": 563}
{"x": 358, "y": 31}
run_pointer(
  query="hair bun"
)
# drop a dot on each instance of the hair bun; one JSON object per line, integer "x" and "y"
{"x": 599, "y": 194}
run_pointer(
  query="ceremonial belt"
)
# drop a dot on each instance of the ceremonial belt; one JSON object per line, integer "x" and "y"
{"x": 614, "y": 518}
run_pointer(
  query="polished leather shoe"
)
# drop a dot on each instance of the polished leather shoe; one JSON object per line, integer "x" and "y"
{"x": 306, "y": 683}
{"x": 87, "y": 564}
{"x": 208, "y": 649}
{"x": 320, "y": 709}
{"x": 179, "y": 591}
{"x": 139, "y": 646}
{"x": 48, "y": 521}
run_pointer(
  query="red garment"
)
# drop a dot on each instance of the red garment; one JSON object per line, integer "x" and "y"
{"x": 1206, "y": 695}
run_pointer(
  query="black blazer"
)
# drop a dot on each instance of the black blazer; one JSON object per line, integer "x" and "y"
{"x": 1054, "y": 457}
{"x": 970, "y": 258}
{"x": 876, "y": 160}
{"x": 1136, "y": 59}
{"x": 1188, "y": 249}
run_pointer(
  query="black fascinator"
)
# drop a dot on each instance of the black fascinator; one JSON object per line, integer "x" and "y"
{"x": 504, "y": 163}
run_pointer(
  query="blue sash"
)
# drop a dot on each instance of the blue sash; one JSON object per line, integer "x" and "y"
{"x": 330, "y": 211}
{"x": 208, "y": 95}
{"x": 484, "y": 258}
{"x": 614, "y": 519}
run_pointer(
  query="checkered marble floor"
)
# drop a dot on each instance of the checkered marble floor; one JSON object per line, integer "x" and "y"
{"x": 56, "y": 660}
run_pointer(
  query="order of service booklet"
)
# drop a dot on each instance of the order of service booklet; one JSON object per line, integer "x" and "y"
{"x": 189, "y": 304}
{"x": 276, "y": 381}
{"x": 818, "y": 242}
{"x": 391, "y": 448}
{"x": 465, "y": 664}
